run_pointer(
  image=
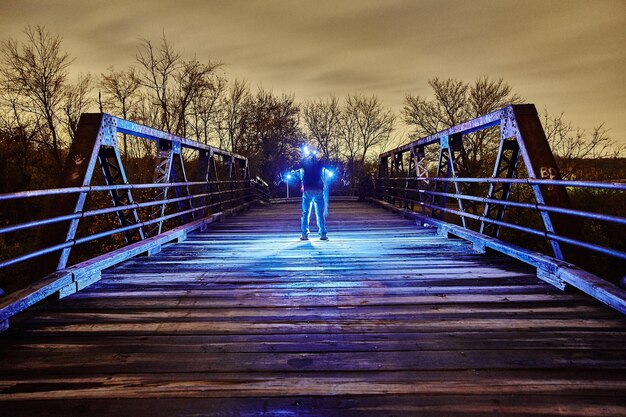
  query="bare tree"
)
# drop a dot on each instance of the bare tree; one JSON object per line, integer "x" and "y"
{"x": 372, "y": 122}
{"x": 576, "y": 149}
{"x": 121, "y": 90}
{"x": 322, "y": 120}
{"x": 173, "y": 83}
{"x": 205, "y": 108}
{"x": 157, "y": 68}
{"x": 233, "y": 118}
{"x": 350, "y": 144}
{"x": 37, "y": 71}
{"x": 423, "y": 115}
{"x": 76, "y": 102}
{"x": 487, "y": 95}
{"x": 451, "y": 97}
{"x": 193, "y": 80}
{"x": 271, "y": 135}
{"x": 455, "y": 101}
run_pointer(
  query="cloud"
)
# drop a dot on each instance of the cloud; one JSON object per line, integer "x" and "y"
{"x": 567, "y": 55}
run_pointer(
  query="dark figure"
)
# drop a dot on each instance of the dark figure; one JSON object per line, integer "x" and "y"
{"x": 365, "y": 187}
{"x": 314, "y": 178}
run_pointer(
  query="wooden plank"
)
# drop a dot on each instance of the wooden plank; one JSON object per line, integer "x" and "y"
{"x": 201, "y": 385}
{"x": 323, "y": 342}
{"x": 15, "y": 302}
{"x": 554, "y": 270}
{"x": 384, "y": 319}
{"x": 60, "y": 281}
{"x": 156, "y": 249}
{"x": 59, "y": 363}
{"x": 408, "y": 405}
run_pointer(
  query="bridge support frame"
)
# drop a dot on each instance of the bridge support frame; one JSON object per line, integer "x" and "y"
{"x": 96, "y": 143}
{"x": 522, "y": 137}
{"x": 114, "y": 174}
{"x": 505, "y": 167}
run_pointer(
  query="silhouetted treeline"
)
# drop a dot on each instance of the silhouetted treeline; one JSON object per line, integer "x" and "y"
{"x": 41, "y": 102}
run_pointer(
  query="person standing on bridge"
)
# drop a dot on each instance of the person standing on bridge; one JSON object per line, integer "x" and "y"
{"x": 315, "y": 179}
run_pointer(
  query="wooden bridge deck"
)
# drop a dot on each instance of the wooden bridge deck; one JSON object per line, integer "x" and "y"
{"x": 386, "y": 318}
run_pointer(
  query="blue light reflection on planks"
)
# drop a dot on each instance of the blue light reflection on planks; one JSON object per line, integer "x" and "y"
{"x": 386, "y": 318}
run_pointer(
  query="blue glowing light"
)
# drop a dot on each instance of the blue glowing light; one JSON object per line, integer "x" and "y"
{"x": 330, "y": 173}
{"x": 305, "y": 150}
{"x": 288, "y": 176}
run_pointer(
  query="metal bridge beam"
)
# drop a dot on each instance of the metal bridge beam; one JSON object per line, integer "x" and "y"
{"x": 521, "y": 136}
{"x": 96, "y": 142}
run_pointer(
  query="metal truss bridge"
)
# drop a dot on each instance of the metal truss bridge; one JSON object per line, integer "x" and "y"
{"x": 425, "y": 300}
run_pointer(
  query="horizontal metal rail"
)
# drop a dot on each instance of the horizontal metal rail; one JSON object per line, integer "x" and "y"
{"x": 480, "y": 123}
{"x": 541, "y": 233}
{"x": 508, "y": 203}
{"x": 76, "y": 190}
{"x": 142, "y": 131}
{"x": 146, "y": 215}
{"x": 114, "y": 209}
{"x": 530, "y": 181}
{"x": 517, "y": 187}
{"x": 91, "y": 213}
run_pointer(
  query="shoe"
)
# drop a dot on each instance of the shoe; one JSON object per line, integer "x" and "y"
{"x": 324, "y": 238}
{"x": 304, "y": 237}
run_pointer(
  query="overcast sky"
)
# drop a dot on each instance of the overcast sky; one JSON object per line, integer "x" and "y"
{"x": 566, "y": 55}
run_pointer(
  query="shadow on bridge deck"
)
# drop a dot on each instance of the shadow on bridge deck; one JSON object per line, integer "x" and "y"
{"x": 386, "y": 318}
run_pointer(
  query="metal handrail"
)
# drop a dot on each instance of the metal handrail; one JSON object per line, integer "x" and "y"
{"x": 521, "y": 148}
{"x": 536, "y": 232}
{"x": 539, "y": 207}
{"x": 114, "y": 209}
{"x": 530, "y": 181}
{"x": 75, "y": 190}
{"x": 244, "y": 186}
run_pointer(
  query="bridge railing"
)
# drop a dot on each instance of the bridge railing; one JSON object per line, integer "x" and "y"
{"x": 524, "y": 209}
{"x": 234, "y": 194}
{"x": 82, "y": 228}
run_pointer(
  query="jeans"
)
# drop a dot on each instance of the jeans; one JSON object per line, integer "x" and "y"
{"x": 317, "y": 199}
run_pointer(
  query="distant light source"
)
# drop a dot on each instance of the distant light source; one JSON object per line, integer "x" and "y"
{"x": 288, "y": 176}
{"x": 330, "y": 173}
{"x": 305, "y": 150}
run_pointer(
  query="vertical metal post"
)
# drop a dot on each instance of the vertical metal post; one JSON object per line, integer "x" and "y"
{"x": 78, "y": 171}
{"x": 382, "y": 191}
{"x": 459, "y": 169}
{"x": 162, "y": 175}
{"x": 421, "y": 171}
{"x": 179, "y": 175}
{"x": 504, "y": 167}
{"x": 232, "y": 176}
{"x": 443, "y": 171}
{"x": 114, "y": 174}
{"x": 203, "y": 175}
{"x": 523, "y": 122}
{"x": 217, "y": 188}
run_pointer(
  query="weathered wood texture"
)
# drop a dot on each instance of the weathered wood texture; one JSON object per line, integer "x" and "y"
{"x": 386, "y": 318}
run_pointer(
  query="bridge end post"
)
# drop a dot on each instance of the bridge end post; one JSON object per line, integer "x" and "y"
{"x": 153, "y": 250}
{"x": 479, "y": 246}
{"x": 4, "y": 324}
{"x": 80, "y": 280}
{"x": 68, "y": 290}
{"x": 443, "y": 231}
{"x": 87, "y": 278}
